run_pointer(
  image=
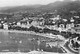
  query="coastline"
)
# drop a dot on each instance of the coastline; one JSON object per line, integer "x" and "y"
{"x": 32, "y": 52}
{"x": 48, "y": 35}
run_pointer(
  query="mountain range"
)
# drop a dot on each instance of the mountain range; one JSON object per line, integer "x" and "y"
{"x": 61, "y": 6}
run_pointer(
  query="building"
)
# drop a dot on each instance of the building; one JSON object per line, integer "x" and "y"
{"x": 76, "y": 16}
{"x": 72, "y": 24}
{"x": 24, "y": 24}
{"x": 72, "y": 20}
{"x": 35, "y": 23}
{"x": 18, "y": 23}
{"x": 2, "y": 21}
{"x": 69, "y": 26}
{"x": 5, "y": 26}
{"x": 65, "y": 20}
{"x": 41, "y": 22}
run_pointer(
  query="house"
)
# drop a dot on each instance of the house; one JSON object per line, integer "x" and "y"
{"x": 35, "y": 23}
{"x": 65, "y": 20}
{"x": 61, "y": 27}
{"x": 41, "y": 22}
{"x": 56, "y": 18}
{"x": 5, "y": 26}
{"x": 55, "y": 27}
{"x": 69, "y": 26}
{"x": 72, "y": 20}
{"x": 24, "y": 24}
{"x": 2, "y": 21}
{"x": 5, "y": 18}
{"x": 18, "y": 23}
{"x": 52, "y": 27}
{"x": 76, "y": 16}
{"x": 72, "y": 24}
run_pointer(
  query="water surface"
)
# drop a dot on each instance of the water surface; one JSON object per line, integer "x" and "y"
{"x": 14, "y": 42}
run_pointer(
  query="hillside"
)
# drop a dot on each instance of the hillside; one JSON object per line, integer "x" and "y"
{"x": 19, "y": 8}
{"x": 64, "y": 7}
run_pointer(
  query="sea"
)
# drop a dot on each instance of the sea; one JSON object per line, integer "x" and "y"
{"x": 19, "y": 42}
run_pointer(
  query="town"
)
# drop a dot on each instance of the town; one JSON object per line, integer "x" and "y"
{"x": 50, "y": 24}
{"x": 52, "y": 28}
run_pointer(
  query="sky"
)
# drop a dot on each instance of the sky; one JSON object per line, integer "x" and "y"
{"x": 4, "y": 3}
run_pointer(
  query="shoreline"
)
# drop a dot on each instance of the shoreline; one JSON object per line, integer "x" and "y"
{"x": 48, "y": 35}
{"x": 32, "y": 52}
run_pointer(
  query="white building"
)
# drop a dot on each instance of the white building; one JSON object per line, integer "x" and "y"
{"x": 18, "y": 23}
{"x": 76, "y": 16}
{"x": 24, "y": 24}
{"x": 5, "y": 18}
{"x": 41, "y": 22}
{"x": 62, "y": 27}
{"x": 69, "y": 26}
{"x": 5, "y": 26}
{"x": 2, "y": 21}
{"x": 71, "y": 20}
{"x": 35, "y": 23}
{"x": 72, "y": 24}
{"x": 56, "y": 18}
{"x": 65, "y": 20}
